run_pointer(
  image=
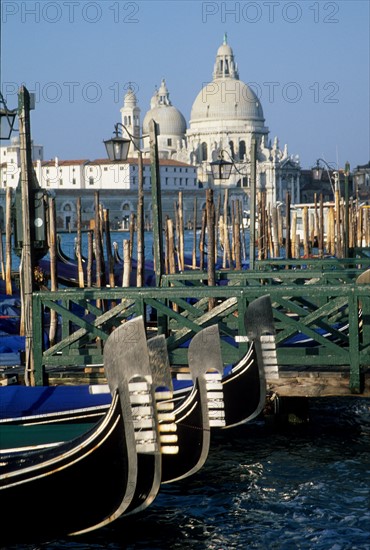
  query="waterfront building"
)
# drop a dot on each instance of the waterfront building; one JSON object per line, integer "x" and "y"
{"x": 226, "y": 114}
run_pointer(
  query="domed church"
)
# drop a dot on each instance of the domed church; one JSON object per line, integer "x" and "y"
{"x": 225, "y": 116}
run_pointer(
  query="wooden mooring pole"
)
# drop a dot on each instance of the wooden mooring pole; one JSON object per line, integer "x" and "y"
{"x": 8, "y": 243}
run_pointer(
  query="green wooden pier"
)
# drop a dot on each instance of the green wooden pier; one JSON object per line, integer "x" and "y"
{"x": 307, "y": 295}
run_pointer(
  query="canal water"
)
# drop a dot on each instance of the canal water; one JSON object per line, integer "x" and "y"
{"x": 262, "y": 487}
{"x": 67, "y": 241}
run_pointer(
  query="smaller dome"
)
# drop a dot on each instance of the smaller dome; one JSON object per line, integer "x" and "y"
{"x": 130, "y": 98}
{"x": 225, "y": 49}
{"x": 169, "y": 119}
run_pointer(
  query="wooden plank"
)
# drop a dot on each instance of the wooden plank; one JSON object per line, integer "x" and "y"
{"x": 309, "y": 384}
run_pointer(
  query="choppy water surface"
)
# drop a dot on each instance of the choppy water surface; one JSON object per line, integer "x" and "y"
{"x": 262, "y": 487}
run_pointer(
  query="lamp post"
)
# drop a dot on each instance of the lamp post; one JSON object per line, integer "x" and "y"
{"x": 156, "y": 202}
{"x": 317, "y": 174}
{"x": 346, "y": 211}
{"x": 252, "y": 230}
{"x": 221, "y": 169}
{"x": 117, "y": 150}
{"x": 30, "y": 231}
{"x": 29, "y": 221}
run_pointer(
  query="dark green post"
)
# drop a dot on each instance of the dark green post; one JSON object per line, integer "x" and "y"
{"x": 28, "y": 225}
{"x": 156, "y": 203}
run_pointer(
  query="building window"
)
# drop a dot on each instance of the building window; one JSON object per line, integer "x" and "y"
{"x": 242, "y": 150}
{"x": 60, "y": 181}
{"x": 91, "y": 180}
{"x": 105, "y": 169}
{"x": 204, "y": 151}
{"x": 169, "y": 142}
{"x": 166, "y": 181}
{"x": 73, "y": 181}
{"x": 231, "y": 145}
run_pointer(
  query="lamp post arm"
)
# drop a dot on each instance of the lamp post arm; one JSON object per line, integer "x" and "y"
{"x": 233, "y": 162}
{"x": 131, "y": 136}
{"x": 327, "y": 168}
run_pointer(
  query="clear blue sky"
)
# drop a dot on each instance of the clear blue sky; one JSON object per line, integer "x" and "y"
{"x": 307, "y": 60}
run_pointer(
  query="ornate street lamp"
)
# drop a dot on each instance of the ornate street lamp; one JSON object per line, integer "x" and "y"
{"x": 317, "y": 174}
{"x": 117, "y": 147}
{"x": 221, "y": 168}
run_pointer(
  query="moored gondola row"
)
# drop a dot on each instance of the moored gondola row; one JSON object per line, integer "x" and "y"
{"x": 149, "y": 429}
{"x": 74, "y": 459}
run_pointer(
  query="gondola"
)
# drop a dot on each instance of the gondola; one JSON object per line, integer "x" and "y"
{"x": 243, "y": 385}
{"x": 183, "y": 422}
{"x": 86, "y": 482}
{"x": 68, "y": 269}
{"x": 198, "y": 408}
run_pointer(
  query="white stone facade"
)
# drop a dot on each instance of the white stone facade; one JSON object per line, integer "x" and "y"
{"x": 102, "y": 174}
{"x": 225, "y": 115}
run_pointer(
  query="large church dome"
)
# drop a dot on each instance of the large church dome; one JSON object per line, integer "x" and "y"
{"x": 169, "y": 119}
{"x": 226, "y": 98}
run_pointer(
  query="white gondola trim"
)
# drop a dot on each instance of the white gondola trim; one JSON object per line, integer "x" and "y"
{"x": 172, "y": 427}
{"x": 170, "y": 450}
